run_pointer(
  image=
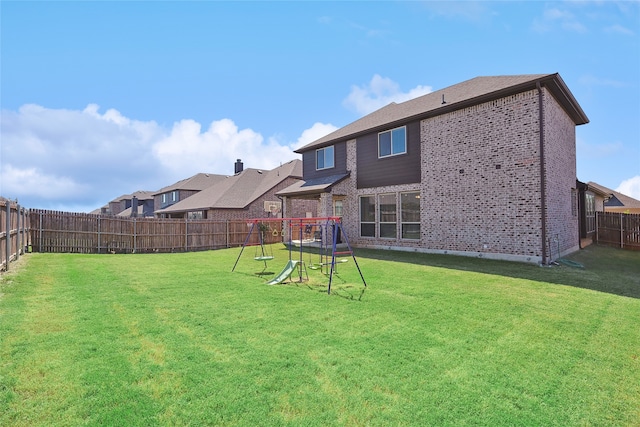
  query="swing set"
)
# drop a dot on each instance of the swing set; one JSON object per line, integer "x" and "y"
{"x": 324, "y": 229}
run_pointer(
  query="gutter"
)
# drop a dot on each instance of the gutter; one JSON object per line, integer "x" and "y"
{"x": 543, "y": 189}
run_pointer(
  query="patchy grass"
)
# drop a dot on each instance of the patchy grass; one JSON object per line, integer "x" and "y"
{"x": 178, "y": 339}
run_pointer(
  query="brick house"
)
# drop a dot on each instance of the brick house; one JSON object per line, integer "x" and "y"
{"x": 591, "y": 199}
{"x": 139, "y": 204}
{"x": 249, "y": 193}
{"x": 616, "y": 201}
{"x": 485, "y": 168}
{"x": 174, "y": 193}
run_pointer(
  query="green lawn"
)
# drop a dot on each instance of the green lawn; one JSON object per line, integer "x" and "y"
{"x": 179, "y": 339}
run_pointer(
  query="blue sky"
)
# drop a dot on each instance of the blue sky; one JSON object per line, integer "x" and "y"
{"x": 101, "y": 99}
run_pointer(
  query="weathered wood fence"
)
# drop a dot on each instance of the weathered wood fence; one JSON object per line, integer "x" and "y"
{"x": 618, "y": 229}
{"x": 14, "y": 232}
{"x": 53, "y": 231}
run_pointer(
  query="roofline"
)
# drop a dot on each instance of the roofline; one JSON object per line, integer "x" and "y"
{"x": 553, "y": 81}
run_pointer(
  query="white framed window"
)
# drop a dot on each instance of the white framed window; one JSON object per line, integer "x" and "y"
{"x": 392, "y": 142}
{"x": 174, "y": 196}
{"x": 387, "y": 215}
{"x": 410, "y": 215}
{"x": 324, "y": 158}
{"x": 367, "y": 216}
{"x": 195, "y": 215}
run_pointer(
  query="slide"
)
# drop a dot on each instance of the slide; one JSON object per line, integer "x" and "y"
{"x": 285, "y": 273}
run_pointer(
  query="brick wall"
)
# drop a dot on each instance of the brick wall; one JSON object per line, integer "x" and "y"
{"x": 481, "y": 182}
{"x": 560, "y": 171}
{"x": 481, "y": 186}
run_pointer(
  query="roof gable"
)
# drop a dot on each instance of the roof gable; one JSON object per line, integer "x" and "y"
{"x": 461, "y": 95}
{"x": 620, "y": 199}
{"x": 197, "y": 182}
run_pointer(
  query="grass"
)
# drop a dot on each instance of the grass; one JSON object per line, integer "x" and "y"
{"x": 178, "y": 339}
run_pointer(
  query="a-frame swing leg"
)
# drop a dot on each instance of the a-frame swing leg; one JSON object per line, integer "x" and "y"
{"x": 338, "y": 227}
{"x": 244, "y": 245}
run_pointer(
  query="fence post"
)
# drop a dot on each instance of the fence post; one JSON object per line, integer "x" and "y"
{"x": 135, "y": 236}
{"x": 621, "y": 232}
{"x": 18, "y": 234}
{"x": 8, "y": 234}
{"x": 40, "y": 234}
{"x": 186, "y": 232}
{"x": 99, "y": 236}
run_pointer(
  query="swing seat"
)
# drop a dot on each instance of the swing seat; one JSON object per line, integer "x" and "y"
{"x": 317, "y": 266}
{"x": 263, "y": 258}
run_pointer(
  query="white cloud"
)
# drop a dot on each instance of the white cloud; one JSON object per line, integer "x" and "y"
{"x": 33, "y": 182}
{"x": 598, "y": 150}
{"x": 317, "y": 131}
{"x": 66, "y": 159}
{"x": 591, "y": 80}
{"x": 188, "y": 150}
{"x": 379, "y": 92}
{"x": 473, "y": 11}
{"x": 554, "y": 18}
{"x": 619, "y": 29}
{"x": 630, "y": 187}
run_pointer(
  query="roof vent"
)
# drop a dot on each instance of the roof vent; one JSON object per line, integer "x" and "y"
{"x": 443, "y": 101}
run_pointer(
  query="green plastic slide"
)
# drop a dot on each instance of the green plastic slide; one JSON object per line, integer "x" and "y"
{"x": 285, "y": 273}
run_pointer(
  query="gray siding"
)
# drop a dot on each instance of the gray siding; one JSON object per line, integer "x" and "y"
{"x": 340, "y": 166}
{"x": 395, "y": 170}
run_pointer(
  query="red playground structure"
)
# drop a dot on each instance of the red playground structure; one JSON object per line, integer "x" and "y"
{"x": 311, "y": 232}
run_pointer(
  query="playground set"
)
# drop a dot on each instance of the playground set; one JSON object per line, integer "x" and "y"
{"x": 324, "y": 233}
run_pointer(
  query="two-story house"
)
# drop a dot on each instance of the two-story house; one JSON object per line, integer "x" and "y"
{"x": 486, "y": 168}
{"x": 249, "y": 193}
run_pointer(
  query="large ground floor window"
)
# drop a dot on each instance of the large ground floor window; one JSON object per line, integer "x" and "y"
{"x": 379, "y": 215}
{"x": 410, "y": 215}
{"x": 367, "y": 216}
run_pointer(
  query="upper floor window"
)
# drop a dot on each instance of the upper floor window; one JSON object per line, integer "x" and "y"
{"x": 174, "y": 196}
{"x": 392, "y": 142}
{"x": 324, "y": 158}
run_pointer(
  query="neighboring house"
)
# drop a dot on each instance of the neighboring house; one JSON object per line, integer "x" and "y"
{"x": 138, "y": 204}
{"x": 250, "y": 193}
{"x": 185, "y": 188}
{"x": 616, "y": 201}
{"x": 591, "y": 199}
{"x": 486, "y": 167}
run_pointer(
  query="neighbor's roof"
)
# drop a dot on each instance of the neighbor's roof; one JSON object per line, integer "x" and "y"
{"x": 140, "y": 195}
{"x": 127, "y": 212}
{"x": 461, "y": 95}
{"x": 627, "y": 202}
{"x": 237, "y": 191}
{"x": 197, "y": 182}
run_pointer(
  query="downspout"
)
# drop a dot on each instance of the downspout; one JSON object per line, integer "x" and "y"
{"x": 543, "y": 191}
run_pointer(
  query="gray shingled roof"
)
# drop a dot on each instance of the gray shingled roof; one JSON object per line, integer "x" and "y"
{"x": 237, "y": 191}
{"x": 140, "y": 195}
{"x": 461, "y": 95}
{"x": 312, "y": 186}
{"x": 628, "y": 202}
{"x": 197, "y": 182}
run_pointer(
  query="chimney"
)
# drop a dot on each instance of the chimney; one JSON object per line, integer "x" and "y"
{"x": 238, "y": 167}
{"x": 134, "y": 207}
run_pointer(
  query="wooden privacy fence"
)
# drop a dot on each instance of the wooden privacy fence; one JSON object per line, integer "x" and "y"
{"x": 53, "y": 231}
{"x": 14, "y": 232}
{"x": 618, "y": 229}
